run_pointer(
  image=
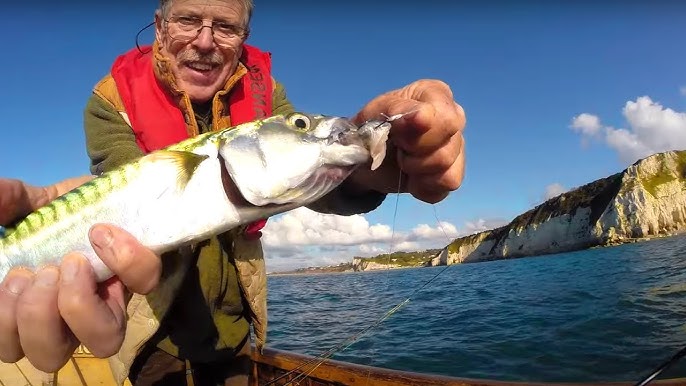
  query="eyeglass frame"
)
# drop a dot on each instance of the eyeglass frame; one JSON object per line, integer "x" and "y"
{"x": 245, "y": 31}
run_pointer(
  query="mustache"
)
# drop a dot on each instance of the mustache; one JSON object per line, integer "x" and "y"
{"x": 211, "y": 58}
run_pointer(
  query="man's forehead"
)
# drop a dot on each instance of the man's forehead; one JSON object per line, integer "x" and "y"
{"x": 224, "y": 8}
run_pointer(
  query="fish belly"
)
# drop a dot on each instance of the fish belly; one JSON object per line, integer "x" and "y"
{"x": 152, "y": 206}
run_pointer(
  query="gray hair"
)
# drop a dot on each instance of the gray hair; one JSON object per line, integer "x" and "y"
{"x": 166, "y": 4}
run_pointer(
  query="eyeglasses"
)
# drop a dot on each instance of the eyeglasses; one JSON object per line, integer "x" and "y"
{"x": 187, "y": 28}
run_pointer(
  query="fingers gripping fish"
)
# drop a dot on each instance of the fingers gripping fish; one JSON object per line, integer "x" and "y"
{"x": 200, "y": 187}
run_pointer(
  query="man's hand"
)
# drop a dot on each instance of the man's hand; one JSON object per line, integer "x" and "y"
{"x": 18, "y": 199}
{"x": 426, "y": 146}
{"x": 44, "y": 315}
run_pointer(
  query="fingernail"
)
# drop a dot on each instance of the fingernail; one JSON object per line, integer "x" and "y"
{"x": 47, "y": 276}
{"x": 101, "y": 237}
{"x": 70, "y": 267}
{"x": 16, "y": 283}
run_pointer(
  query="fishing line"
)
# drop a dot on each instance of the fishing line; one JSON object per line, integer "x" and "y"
{"x": 675, "y": 358}
{"x": 440, "y": 226}
{"x": 22, "y": 373}
{"x": 318, "y": 361}
{"x": 391, "y": 243}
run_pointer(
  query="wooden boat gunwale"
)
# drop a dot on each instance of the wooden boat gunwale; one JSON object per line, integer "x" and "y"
{"x": 272, "y": 363}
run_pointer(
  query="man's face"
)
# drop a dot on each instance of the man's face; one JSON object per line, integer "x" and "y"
{"x": 201, "y": 64}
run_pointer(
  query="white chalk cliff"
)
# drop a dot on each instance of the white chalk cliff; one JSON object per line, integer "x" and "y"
{"x": 646, "y": 200}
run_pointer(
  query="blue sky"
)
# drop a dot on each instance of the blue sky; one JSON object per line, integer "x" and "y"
{"x": 557, "y": 94}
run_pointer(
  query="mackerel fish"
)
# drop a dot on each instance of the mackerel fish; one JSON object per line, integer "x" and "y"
{"x": 200, "y": 187}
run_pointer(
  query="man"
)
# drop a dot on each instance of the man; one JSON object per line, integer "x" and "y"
{"x": 199, "y": 75}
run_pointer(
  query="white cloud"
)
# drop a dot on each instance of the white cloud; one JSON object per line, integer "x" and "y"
{"x": 442, "y": 231}
{"x": 304, "y": 238}
{"x": 682, "y": 90}
{"x": 303, "y": 227}
{"x": 410, "y": 246}
{"x": 586, "y": 124}
{"x": 371, "y": 250}
{"x": 627, "y": 144}
{"x": 553, "y": 190}
{"x": 651, "y": 129}
{"x": 481, "y": 225}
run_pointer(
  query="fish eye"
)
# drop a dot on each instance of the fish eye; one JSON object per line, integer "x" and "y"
{"x": 300, "y": 121}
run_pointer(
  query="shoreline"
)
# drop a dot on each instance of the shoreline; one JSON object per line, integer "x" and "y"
{"x": 312, "y": 271}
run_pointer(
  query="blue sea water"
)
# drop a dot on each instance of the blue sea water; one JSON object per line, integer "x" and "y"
{"x": 604, "y": 314}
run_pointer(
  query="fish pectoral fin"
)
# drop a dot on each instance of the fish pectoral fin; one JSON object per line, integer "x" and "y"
{"x": 184, "y": 162}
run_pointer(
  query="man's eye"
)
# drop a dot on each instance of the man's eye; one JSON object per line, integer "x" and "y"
{"x": 227, "y": 28}
{"x": 188, "y": 21}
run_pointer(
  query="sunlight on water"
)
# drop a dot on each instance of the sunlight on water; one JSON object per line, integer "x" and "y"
{"x": 598, "y": 315}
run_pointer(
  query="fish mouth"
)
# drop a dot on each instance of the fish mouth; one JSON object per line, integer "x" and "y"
{"x": 231, "y": 188}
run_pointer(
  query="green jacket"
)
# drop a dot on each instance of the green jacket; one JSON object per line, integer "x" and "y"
{"x": 211, "y": 292}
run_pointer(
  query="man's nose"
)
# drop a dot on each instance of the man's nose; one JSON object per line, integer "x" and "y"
{"x": 205, "y": 39}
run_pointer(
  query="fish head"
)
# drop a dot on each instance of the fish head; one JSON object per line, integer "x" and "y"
{"x": 297, "y": 158}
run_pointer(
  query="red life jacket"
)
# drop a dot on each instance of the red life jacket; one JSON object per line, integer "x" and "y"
{"x": 156, "y": 118}
{"x": 157, "y": 121}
